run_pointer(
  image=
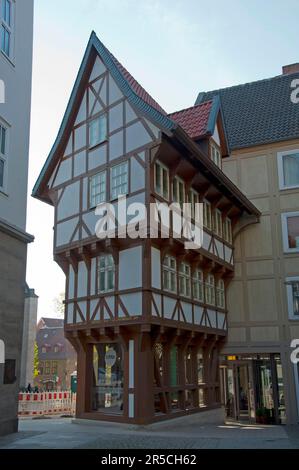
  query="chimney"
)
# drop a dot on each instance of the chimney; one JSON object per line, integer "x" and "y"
{"x": 292, "y": 68}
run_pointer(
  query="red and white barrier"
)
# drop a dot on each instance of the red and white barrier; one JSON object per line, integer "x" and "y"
{"x": 47, "y": 403}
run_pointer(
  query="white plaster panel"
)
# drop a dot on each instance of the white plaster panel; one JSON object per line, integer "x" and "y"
{"x": 206, "y": 240}
{"x": 110, "y": 302}
{"x": 228, "y": 253}
{"x": 130, "y": 268}
{"x": 133, "y": 303}
{"x": 90, "y": 219}
{"x": 153, "y": 128}
{"x": 158, "y": 301}
{"x": 116, "y": 117}
{"x": 221, "y": 317}
{"x": 82, "y": 280}
{"x": 97, "y": 157}
{"x": 130, "y": 113}
{"x": 98, "y": 69}
{"x": 219, "y": 247}
{"x": 93, "y": 276}
{"x": 80, "y": 163}
{"x": 69, "y": 148}
{"x": 70, "y": 313}
{"x": 137, "y": 175}
{"x": 71, "y": 291}
{"x": 187, "y": 309}
{"x": 93, "y": 305}
{"x": 156, "y": 268}
{"x": 80, "y": 137}
{"x": 169, "y": 305}
{"x": 64, "y": 172}
{"x": 116, "y": 145}
{"x": 197, "y": 314}
{"x": 83, "y": 308}
{"x": 69, "y": 202}
{"x": 212, "y": 317}
{"x": 65, "y": 230}
{"x": 114, "y": 92}
{"x": 81, "y": 116}
{"x": 85, "y": 194}
{"x": 136, "y": 136}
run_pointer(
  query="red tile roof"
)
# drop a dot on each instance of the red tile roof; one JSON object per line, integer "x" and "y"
{"x": 194, "y": 120}
{"x": 137, "y": 88}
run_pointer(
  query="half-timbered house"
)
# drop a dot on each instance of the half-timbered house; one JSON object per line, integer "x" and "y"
{"x": 146, "y": 316}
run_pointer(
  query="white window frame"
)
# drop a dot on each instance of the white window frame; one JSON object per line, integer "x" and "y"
{"x": 185, "y": 279}
{"x": 109, "y": 267}
{"x": 280, "y": 156}
{"x": 217, "y": 223}
{"x": 198, "y": 285}
{"x": 170, "y": 272}
{"x": 285, "y": 237}
{"x": 100, "y": 138}
{"x": 207, "y": 222}
{"x": 216, "y": 155}
{"x": 164, "y": 192}
{"x": 93, "y": 195}
{"x": 118, "y": 190}
{"x": 289, "y": 290}
{"x": 210, "y": 290}
{"x": 220, "y": 294}
{"x": 178, "y": 185}
{"x": 8, "y": 27}
{"x": 3, "y": 156}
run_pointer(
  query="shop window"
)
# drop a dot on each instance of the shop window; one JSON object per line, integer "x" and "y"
{"x": 108, "y": 378}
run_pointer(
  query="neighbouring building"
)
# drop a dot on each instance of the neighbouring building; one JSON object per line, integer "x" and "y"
{"x": 262, "y": 125}
{"x": 57, "y": 359}
{"x": 16, "y": 37}
{"x": 29, "y": 337}
{"x": 147, "y": 317}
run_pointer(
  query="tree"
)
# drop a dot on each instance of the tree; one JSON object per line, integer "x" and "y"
{"x": 35, "y": 361}
{"x": 59, "y": 305}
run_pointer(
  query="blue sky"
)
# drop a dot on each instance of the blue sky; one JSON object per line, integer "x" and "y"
{"x": 173, "y": 48}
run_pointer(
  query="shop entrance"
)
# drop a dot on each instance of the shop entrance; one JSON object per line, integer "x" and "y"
{"x": 252, "y": 388}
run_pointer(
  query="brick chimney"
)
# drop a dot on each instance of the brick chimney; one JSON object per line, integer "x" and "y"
{"x": 292, "y": 68}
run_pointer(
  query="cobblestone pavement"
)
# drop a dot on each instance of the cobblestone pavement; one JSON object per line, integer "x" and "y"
{"x": 63, "y": 434}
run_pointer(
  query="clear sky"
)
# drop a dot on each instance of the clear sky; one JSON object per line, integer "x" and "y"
{"x": 173, "y": 48}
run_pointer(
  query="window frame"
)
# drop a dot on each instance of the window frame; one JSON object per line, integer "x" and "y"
{"x": 169, "y": 270}
{"x": 104, "y": 139}
{"x": 125, "y": 163}
{"x": 220, "y": 294}
{"x": 216, "y": 149}
{"x": 92, "y": 203}
{"x": 8, "y": 28}
{"x": 227, "y": 230}
{"x": 280, "y": 156}
{"x": 193, "y": 198}
{"x": 198, "y": 280}
{"x": 3, "y": 156}
{"x": 178, "y": 181}
{"x": 210, "y": 287}
{"x": 285, "y": 236}
{"x": 289, "y": 293}
{"x": 217, "y": 224}
{"x": 185, "y": 280}
{"x": 207, "y": 204}
{"x": 106, "y": 269}
{"x": 163, "y": 168}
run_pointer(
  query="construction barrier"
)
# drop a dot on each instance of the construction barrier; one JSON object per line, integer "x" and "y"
{"x": 47, "y": 403}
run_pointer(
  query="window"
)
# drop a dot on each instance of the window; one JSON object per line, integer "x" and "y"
{"x": 6, "y": 27}
{"x": 97, "y": 189}
{"x": 220, "y": 294}
{"x": 207, "y": 215}
{"x": 54, "y": 367}
{"x": 216, "y": 155}
{"x": 290, "y": 231}
{"x": 178, "y": 191}
{"x": 119, "y": 180}
{"x": 44, "y": 349}
{"x": 56, "y": 348}
{"x": 3, "y": 149}
{"x": 227, "y": 229}
{"x": 210, "y": 289}
{"x": 98, "y": 130}
{"x": 47, "y": 368}
{"x": 288, "y": 169}
{"x": 197, "y": 285}
{"x": 185, "y": 280}
{"x": 292, "y": 284}
{"x": 106, "y": 274}
{"x": 169, "y": 274}
{"x": 217, "y": 222}
{"x": 193, "y": 199}
{"x": 41, "y": 368}
{"x": 161, "y": 180}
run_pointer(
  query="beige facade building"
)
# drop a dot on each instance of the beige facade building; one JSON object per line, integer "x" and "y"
{"x": 262, "y": 123}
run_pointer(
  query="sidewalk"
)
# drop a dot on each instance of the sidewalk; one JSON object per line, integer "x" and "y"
{"x": 61, "y": 433}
